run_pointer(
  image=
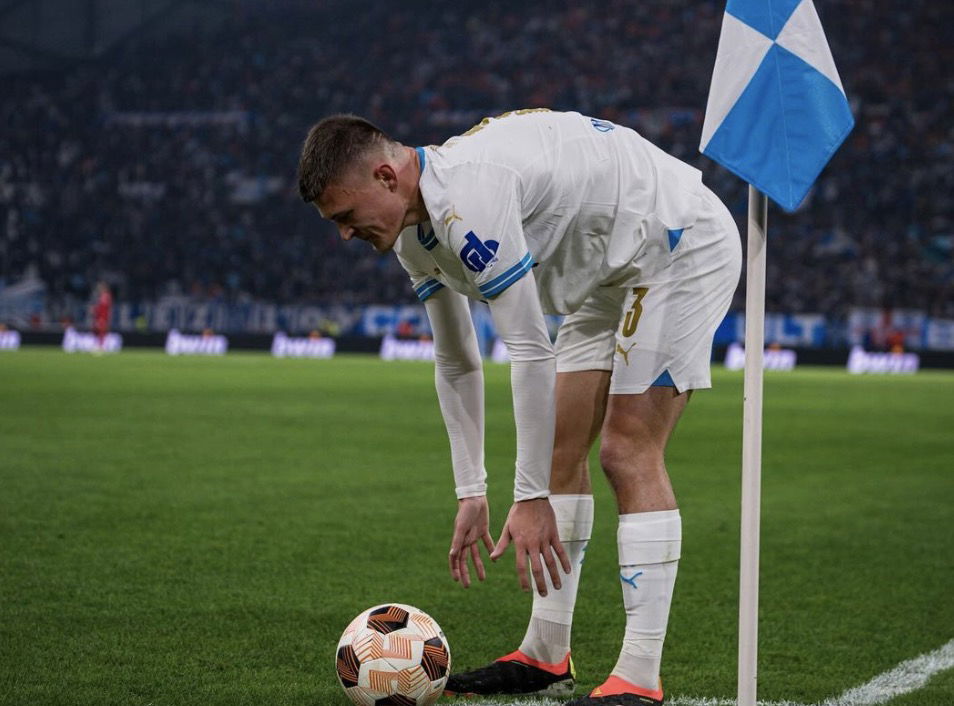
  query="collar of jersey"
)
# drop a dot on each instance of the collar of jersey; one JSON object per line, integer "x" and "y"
{"x": 421, "y": 158}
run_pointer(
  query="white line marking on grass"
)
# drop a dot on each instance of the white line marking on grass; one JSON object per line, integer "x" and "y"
{"x": 908, "y": 676}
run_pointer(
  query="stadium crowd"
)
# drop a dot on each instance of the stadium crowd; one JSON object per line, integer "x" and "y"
{"x": 168, "y": 166}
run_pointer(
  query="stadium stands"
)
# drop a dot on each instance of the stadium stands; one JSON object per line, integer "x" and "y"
{"x": 167, "y": 166}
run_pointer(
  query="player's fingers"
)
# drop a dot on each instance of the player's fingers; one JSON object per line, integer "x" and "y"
{"x": 452, "y": 564}
{"x": 488, "y": 542}
{"x": 461, "y": 566}
{"x": 464, "y": 571}
{"x": 521, "y": 562}
{"x": 453, "y": 556}
{"x": 552, "y": 567}
{"x": 502, "y": 544}
{"x": 536, "y": 568}
{"x": 457, "y": 539}
{"x": 563, "y": 556}
{"x": 478, "y": 562}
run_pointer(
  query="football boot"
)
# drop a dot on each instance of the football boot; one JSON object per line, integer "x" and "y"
{"x": 515, "y": 673}
{"x": 619, "y": 692}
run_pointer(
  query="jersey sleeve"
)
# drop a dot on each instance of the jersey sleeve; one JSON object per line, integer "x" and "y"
{"x": 458, "y": 377}
{"x": 415, "y": 260}
{"x": 519, "y": 320}
{"x": 482, "y": 217}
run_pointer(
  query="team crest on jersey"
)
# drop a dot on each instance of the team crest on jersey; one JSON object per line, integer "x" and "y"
{"x": 478, "y": 255}
{"x": 602, "y": 125}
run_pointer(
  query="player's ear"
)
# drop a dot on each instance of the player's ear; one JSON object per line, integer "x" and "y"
{"x": 385, "y": 174}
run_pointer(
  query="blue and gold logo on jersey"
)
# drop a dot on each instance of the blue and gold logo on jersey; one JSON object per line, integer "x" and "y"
{"x": 478, "y": 255}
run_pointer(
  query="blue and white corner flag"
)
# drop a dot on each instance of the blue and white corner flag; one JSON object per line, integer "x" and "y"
{"x": 777, "y": 110}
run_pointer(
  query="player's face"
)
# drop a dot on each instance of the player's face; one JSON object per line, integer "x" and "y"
{"x": 365, "y": 205}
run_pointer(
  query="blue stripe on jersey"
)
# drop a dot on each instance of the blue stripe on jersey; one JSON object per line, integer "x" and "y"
{"x": 499, "y": 284}
{"x": 427, "y": 240}
{"x": 427, "y": 289}
{"x": 421, "y": 159}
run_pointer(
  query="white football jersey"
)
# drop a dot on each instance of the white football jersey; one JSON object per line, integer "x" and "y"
{"x": 578, "y": 201}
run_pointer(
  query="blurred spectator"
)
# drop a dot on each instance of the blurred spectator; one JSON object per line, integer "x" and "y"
{"x": 167, "y": 167}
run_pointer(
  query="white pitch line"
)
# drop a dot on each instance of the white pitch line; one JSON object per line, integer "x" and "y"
{"x": 908, "y": 676}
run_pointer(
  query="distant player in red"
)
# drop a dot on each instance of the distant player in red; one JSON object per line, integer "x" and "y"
{"x": 102, "y": 313}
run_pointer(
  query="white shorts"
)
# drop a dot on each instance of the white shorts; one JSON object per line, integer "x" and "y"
{"x": 658, "y": 328}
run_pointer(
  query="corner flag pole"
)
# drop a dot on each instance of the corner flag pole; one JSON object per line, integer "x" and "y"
{"x": 776, "y": 114}
{"x": 752, "y": 447}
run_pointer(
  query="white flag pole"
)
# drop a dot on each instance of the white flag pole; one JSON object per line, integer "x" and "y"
{"x": 752, "y": 447}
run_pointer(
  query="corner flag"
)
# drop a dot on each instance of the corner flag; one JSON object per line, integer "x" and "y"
{"x": 777, "y": 110}
{"x": 776, "y": 114}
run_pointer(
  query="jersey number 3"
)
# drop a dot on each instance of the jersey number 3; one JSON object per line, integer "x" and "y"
{"x": 634, "y": 312}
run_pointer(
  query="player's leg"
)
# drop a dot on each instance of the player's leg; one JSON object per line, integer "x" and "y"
{"x": 663, "y": 349}
{"x": 584, "y": 348}
{"x": 542, "y": 663}
{"x": 632, "y": 453}
{"x": 584, "y": 359}
{"x": 100, "y": 329}
{"x": 635, "y": 433}
{"x": 580, "y": 408}
{"x": 581, "y": 405}
{"x": 649, "y": 535}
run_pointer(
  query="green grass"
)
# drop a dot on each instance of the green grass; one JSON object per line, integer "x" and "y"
{"x": 199, "y": 531}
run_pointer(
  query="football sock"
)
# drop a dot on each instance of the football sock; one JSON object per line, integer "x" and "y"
{"x": 548, "y": 635}
{"x": 649, "y": 547}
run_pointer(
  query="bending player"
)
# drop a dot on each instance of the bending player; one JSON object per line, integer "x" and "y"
{"x": 641, "y": 258}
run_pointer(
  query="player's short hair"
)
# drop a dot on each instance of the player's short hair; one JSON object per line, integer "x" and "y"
{"x": 332, "y": 145}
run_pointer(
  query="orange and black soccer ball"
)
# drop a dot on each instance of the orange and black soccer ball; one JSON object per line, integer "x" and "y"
{"x": 393, "y": 655}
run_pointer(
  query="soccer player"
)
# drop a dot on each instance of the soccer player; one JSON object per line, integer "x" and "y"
{"x": 545, "y": 212}
{"x": 102, "y": 313}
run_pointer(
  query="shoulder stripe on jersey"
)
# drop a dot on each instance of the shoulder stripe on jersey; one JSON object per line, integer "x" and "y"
{"x": 427, "y": 289}
{"x": 427, "y": 240}
{"x": 499, "y": 284}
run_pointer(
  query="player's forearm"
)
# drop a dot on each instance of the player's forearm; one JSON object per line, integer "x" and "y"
{"x": 458, "y": 377}
{"x": 461, "y": 396}
{"x": 520, "y": 323}
{"x": 533, "y": 411}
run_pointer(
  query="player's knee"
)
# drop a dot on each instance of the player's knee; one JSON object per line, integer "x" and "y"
{"x": 630, "y": 459}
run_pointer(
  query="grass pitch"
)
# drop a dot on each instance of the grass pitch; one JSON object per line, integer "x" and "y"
{"x": 199, "y": 531}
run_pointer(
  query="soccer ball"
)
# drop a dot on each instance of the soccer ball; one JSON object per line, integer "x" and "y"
{"x": 393, "y": 655}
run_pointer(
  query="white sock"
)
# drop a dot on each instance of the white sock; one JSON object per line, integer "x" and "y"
{"x": 649, "y": 548}
{"x": 548, "y": 635}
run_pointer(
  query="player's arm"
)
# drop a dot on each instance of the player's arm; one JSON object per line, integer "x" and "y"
{"x": 485, "y": 230}
{"x": 519, "y": 321}
{"x": 531, "y": 526}
{"x": 458, "y": 376}
{"x": 459, "y": 379}
{"x": 458, "y": 373}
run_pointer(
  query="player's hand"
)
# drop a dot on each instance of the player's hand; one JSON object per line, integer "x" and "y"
{"x": 531, "y": 526}
{"x": 471, "y": 526}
